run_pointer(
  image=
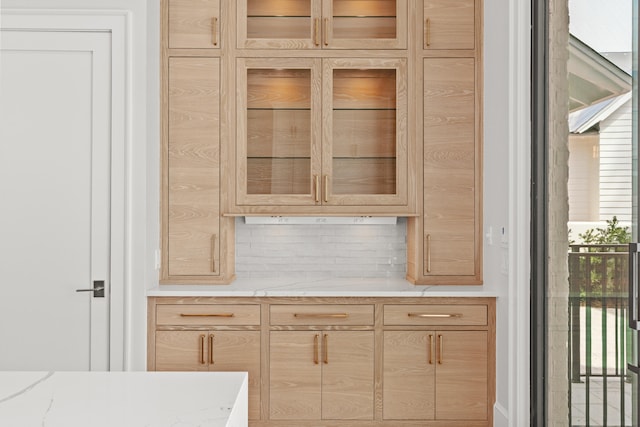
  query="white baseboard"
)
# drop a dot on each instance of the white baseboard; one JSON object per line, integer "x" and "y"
{"x": 500, "y": 416}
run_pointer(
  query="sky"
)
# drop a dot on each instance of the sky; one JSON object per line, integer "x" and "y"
{"x": 605, "y": 25}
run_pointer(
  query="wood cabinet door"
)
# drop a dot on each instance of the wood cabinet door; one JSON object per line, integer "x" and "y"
{"x": 347, "y": 375}
{"x": 295, "y": 389}
{"x": 181, "y": 351}
{"x": 364, "y": 152}
{"x": 278, "y": 132}
{"x": 194, "y": 24}
{"x": 461, "y": 375}
{"x": 452, "y": 195}
{"x": 408, "y": 387}
{"x": 449, "y": 24}
{"x": 192, "y": 173}
{"x": 238, "y": 351}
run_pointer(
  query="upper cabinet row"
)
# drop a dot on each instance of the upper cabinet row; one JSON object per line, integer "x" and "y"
{"x": 322, "y": 24}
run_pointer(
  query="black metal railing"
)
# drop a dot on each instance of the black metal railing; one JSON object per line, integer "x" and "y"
{"x": 598, "y": 333}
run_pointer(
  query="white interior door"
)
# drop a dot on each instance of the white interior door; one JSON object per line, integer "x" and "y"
{"x": 55, "y": 133}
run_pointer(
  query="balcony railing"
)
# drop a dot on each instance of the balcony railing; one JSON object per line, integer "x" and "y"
{"x": 598, "y": 336}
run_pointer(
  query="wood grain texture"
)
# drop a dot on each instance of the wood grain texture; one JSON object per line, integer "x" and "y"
{"x": 193, "y": 167}
{"x": 191, "y": 24}
{"x": 451, "y": 22}
{"x": 208, "y": 314}
{"x": 408, "y": 378}
{"x": 310, "y": 314}
{"x": 462, "y": 315}
{"x": 278, "y": 8}
{"x": 364, "y": 8}
{"x": 279, "y": 133}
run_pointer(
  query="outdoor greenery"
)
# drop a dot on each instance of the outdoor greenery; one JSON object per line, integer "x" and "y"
{"x": 612, "y": 234}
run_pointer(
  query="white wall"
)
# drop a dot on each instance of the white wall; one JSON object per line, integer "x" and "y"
{"x": 506, "y": 152}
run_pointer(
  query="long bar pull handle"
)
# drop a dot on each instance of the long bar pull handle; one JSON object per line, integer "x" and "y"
{"x": 326, "y": 31}
{"x": 321, "y": 315}
{"x": 441, "y": 349}
{"x": 430, "y": 349}
{"x": 316, "y": 31}
{"x": 315, "y": 349}
{"x": 428, "y": 252}
{"x": 427, "y": 30}
{"x": 434, "y": 315}
{"x": 634, "y": 252}
{"x": 326, "y": 188}
{"x": 211, "y": 336}
{"x": 202, "y": 361}
{"x": 214, "y": 31}
{"x": 98, "y": 289}
{"x": 213, "y": 253}
{"x": 325, "y": 349}
{"x": 316, "y": 188}
{"x": 207, "y": 315}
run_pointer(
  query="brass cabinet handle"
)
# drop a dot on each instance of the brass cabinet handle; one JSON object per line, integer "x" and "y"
{"x": 213, "y": 253}
{"x": 320, "y": 315}
{"x": 427, "y": 27}
{"x": 211, "y": 362}
{"x": 207, "y": 315}
{"x": 428, "y": 252}
{"x": 326, "y": 188}
{"x": 325, "y": 348}
{"x": 316, "y": 187}
{"x": 434, "y": 315}
{"x": 202, "y": 361}
{"x": 316, "y": 31}
{"x": 315, "y": 349}
{"x": 214, "y": 31}
{"x": 326, "y": 31}
{"x": 430, "y": 349}
{"x": 441, "y": 349}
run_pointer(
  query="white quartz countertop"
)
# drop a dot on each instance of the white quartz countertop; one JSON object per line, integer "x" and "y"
{"x": 123, "y": 399}
{"x": 282, "y": 287}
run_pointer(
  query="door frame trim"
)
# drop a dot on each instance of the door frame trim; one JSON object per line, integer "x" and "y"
{"x": 118, "y": 23}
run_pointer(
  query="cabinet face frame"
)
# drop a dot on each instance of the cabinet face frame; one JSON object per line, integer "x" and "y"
{"x": 320, "y": 30}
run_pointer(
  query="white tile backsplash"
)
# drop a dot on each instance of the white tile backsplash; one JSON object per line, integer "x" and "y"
{"x": 321, "y": 251}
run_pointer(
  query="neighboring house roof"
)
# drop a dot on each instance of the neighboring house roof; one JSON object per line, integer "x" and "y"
{"x": 592, "y": 77}
{"x": 586, "y": 118}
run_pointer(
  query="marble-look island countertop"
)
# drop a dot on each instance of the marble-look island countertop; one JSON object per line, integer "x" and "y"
{"x": 283, "y": 287}
{"x": 123, "y": 399}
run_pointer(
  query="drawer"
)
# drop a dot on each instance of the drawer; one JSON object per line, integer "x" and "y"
{"x": 322, "y": 314}
{"x": 437, "y": 315}
{"x": 208, "y": 314}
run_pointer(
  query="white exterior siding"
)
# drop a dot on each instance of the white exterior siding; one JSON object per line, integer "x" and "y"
{"x": 584, "y": 177}
{"x": 615, "y": 165}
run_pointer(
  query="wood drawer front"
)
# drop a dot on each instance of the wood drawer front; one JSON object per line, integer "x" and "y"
{"x": 208, "y": 314}
{"x": 436, "y": 315}
{"x": 326, "y": 314}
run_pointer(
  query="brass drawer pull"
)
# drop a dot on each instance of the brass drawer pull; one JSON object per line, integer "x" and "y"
{"x": 427, "y": 26}
{"x": 428, "y": 252}
{"x": 315, "y": 349}
{"x": 322, "y": 315}
{"x": 430, "y": 349}
{"x": 214, "y": 31}
{"x": 435, "y": 316}
{"x": 316, "y": 29}
{"x": 325, "y": 349}
{"x": 316, "y": 188}
{"x": 213, "y": 253}
{"x": 202, "y": 361}
{"x": 441, "y": 350}
{"x": 326, "y": 188}
{"x": 326, "y": 31}
{"x": 207, "y": 315}
{"x": 211, "y": 362}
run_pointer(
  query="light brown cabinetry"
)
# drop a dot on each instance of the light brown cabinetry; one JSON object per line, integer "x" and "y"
{"x": 195, "y": 337}
{"x": 197, "y": 242}
{"x": 445, "y": 241}
{"x": 322, "y": 24}
{"x": 194, "y": 24}
{"x": 319, "y": 362}
{"x": 321, "y": 132}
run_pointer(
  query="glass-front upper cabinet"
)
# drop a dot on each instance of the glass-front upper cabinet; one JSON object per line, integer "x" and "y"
{"x": 194, "y": 24}
{"x": 322, "y": 24}
{"x": 449, "y": 24}
{"x": 320, "y": 132}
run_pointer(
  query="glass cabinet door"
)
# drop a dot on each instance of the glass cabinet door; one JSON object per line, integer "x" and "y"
{"x": 322, "y": 24}
{"x": 365, "y": 135}
{"x": 371, "y": 24}
{"x": 278, "y": 136}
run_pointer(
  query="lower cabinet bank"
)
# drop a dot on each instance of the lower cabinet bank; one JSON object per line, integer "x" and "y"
{"x": 338, "y": 361}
